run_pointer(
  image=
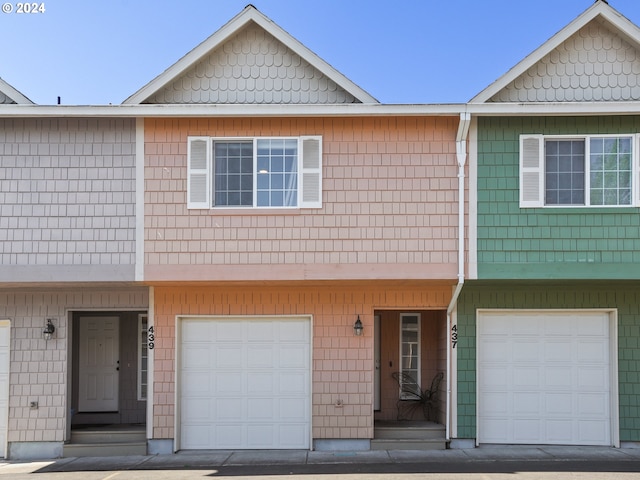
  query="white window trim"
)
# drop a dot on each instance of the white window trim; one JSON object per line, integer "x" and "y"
{"x": 142, "y": 338}
{"x": 309, "y": 193}
{"x": 532, "y": 170}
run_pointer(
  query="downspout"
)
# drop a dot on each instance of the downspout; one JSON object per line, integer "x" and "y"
{"x": 461, "y": 157}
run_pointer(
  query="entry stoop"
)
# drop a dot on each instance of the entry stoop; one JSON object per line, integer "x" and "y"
{"x": 409, "y": 435}
{"x": 106, "y": 441}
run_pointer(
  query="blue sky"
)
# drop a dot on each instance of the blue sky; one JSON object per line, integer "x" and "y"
{"x": 92, "y": 52}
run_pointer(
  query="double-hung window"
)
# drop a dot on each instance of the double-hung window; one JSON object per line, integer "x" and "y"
{"x": 274, "y": 172}
{"x": 585, "y": 170}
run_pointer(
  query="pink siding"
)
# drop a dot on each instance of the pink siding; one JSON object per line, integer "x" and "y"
{"x": 389, "y": 200}
{"x": 342, "y": 362}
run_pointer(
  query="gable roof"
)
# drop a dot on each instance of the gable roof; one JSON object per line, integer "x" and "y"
{"x": 11, "y": 96}
{"x": 574, "y": 66}
{"x": 194, "y": 72}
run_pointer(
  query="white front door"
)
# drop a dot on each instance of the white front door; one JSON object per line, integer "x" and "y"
{"x": 545, "y": 377}
{"x": 99, "y": 364}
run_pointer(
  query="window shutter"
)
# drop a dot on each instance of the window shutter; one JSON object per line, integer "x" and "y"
{"x": 531, "y": 171}
{"x": 198, "y": 181}
{"x": 311, "y": 172}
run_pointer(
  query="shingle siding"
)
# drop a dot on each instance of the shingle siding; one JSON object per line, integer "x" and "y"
{"x": 67, "y": 199}
{"x": 389, "y": 202}
{"x": 548, "y": 242}
{"x": 39, "y": 369}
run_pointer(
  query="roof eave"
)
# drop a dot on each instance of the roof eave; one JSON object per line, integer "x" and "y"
{"x": 14, "y": 94}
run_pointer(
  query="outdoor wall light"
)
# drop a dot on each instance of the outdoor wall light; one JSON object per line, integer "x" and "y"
{"x": 357, "y": 327}
{"x": 49, "y": 330}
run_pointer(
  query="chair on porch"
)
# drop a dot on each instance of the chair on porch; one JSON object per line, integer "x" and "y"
{"x": 413, "y": 398}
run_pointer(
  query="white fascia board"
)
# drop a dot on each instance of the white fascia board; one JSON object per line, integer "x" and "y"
{"x": 14, "y": 94}
{"x": 213, "y": 111}
{"x": 624, "y": 26}
{"x": 250, "y": 13}
{"x": 557, "y": 109}
{"x": 334, "y": 110}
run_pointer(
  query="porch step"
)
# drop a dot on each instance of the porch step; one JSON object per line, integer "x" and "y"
{"x": 104, "y": 449}
{"x": 101, "y": 435}
{"x": 111, "y": 441}
{"x": 409, "y": 436}
{"x": 399, "y": 444}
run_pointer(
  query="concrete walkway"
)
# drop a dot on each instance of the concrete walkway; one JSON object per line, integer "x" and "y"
{"x": 398, "y": 460}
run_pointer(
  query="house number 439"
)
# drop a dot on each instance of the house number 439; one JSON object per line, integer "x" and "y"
{"x": 151, "y": 338}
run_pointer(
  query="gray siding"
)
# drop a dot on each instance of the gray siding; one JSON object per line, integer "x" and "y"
{"x": 67, "y": 200}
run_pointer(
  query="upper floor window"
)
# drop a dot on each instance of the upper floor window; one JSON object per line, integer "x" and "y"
{"x": 589, "y": 170}
{"x": 254, "y": 172}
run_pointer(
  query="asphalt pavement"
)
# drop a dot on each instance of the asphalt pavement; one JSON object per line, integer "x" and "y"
{"x": 489, "y": 462}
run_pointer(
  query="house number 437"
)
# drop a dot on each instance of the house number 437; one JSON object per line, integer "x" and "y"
{"x": 151, "y": 338}
{"x": 454, "y": 336}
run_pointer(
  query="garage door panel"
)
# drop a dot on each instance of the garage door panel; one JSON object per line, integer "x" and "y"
{"x": 198, "y": 436}
{"x": 260, "y": 409}
{"x": 229, "y": 409}
{"x": 198, "y": 331}
{"x": 592, "y": 350}
{"x": 593, "y": 404}
{"x": 495, "y": 404}
{"x": 231, "y": 436}
{"x": 293, "y": 434}
{"x": 496, "y": 349}
{"x": 527, "y": 430}
{"x": 196, "y": 357}
{"x": 558, "y": 404}
{"x": 592, "y": 431}
{"x": 525, "y": 377}
{"x": 196, "y": 410}
{"x": 294, "y": 357}
{"x": 593, "y": 378}
{"x": 228, "y": 356}
{"x": 292, "y": 410}
{"x": 227, "y": 383}
{"x": 258, "y": 331}
{"x": 558, "y": 377}
{"x": 525, "y": 350}
{"x": 558, "y": 350}
{"x": 560, "y": 431}
{"x": 261, "y": 356}
{"x": 293, "y": 383}
{"x": 544, "y": 377}
{"x": 526, "y": 403}
{"x": 259, "y": 381}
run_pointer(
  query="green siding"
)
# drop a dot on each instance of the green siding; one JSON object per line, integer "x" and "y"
{"x": 547, "y": 243}
{"x": 625, "y": 296}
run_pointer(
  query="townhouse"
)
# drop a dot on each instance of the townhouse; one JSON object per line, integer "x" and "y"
{"x": 249, "y": 250}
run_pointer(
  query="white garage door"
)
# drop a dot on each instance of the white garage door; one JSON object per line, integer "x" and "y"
{"x": 245, "y": 383}
{"x": 5, "y": 336}
{"x": 544, "y": 378}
